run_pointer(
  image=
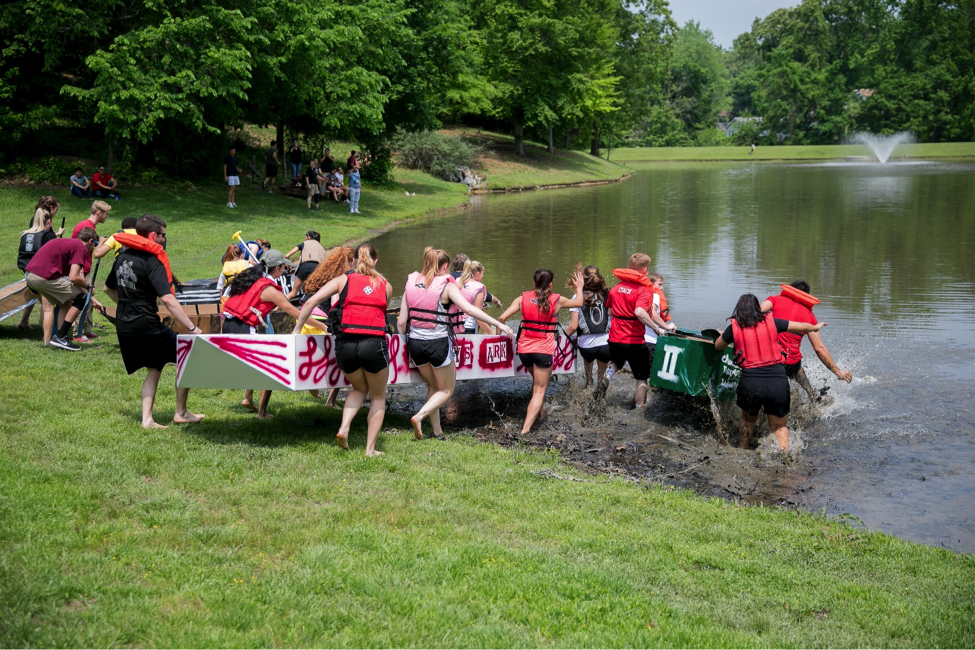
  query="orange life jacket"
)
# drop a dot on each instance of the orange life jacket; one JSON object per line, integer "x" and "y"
{"x": 664, "y": 309}
{"x": 800, "y": 297}
{"x": 248, "y": 306}
{"x": 757, "y": 347}
{"x": 142, "y": 244}
{"x": 538, "y": 327}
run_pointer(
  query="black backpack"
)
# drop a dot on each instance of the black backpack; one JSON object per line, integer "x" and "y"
{"x": 594, "y": 319}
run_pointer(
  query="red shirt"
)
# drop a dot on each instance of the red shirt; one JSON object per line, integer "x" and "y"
{"x": 55, "y": 258}
{"x": 623, "y": 301}
{"x": 788, "y": 309}
{"x": 100, "y": 178}
{"x": 87, "y": 223}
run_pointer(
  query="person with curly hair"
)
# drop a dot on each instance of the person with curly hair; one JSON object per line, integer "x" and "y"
{"x": 592, "y": 321}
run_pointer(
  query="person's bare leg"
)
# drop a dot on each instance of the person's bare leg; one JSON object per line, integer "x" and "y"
{"x": 540, "y": 379}
{"x": 149, "y": 397}
{"x": 262, "y": 413}
{"x": 25, "y": 319}
{"x": 352, "y": 403}
{"x": 184, "y": 416}
{"x": 746, "y": 429}
{"x": 601, "y": 367}
{"x": 588, "y": 366}
{"x": 333, "y": 394}
{"x": 440, "y": 387}
{"x": 295, "y": 288}
{"x": 47, "y": 319}
{"x": 377, "y": 409}
{"x": 803, "y": 380}
{"x": 641, "y": 392}
{"x": 248, "y": 401}
{"x": 780, "y": 427}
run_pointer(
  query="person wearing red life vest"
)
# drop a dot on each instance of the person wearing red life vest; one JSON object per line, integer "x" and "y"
{"x": 630, "y": 303}
{"x": 795, "y": 304}
{"x": 425, "y": 314}
{"x": 361, "y": 349}
{"x": 763, "y": 383}
{"x": 253, "y": 296}
{"x": 536, "y": 336}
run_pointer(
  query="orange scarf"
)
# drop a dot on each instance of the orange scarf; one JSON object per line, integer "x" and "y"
{"x": 143, "y": 244}
{"x": 631, "y": 275}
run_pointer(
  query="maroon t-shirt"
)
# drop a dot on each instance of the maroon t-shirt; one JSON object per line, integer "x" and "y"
{"x": 55, "y": 258}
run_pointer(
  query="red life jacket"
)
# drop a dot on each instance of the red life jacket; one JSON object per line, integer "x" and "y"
{"x": 248, "y": 306}
{"x": 537, "y": 330}
{"x": 469, "y": 291}
{"x": 426, "y": 310}
{"x": 788, "y": 309}
{"x": 143, "y": 244}
{"x": 757, "y": 347}
{"x": 361, "y": 308}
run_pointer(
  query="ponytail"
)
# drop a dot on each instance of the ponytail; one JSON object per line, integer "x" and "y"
{"x": 594, "y": 286}
{"x": 543, "y": 289}
{"x": 433, "y": 259}
{"x": 471, "y": 267}
{"x": 365, "y": 263}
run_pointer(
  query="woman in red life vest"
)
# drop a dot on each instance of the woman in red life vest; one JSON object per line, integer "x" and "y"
{"x": 475, "y": 292}
{"x": 536, "y": 336}
{"x": 253, "y": 295}
{"x": 592, "y": 321}
{"x": 763, "y": 383}
{"x": 424, "y": 312}
{"x": 361, "y": 350}
{"x": 795, "y": 303}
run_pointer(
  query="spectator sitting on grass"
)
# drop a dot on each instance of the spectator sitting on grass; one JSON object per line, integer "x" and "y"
{"x": 80, "y": 185}
{"x": 103, "y": 185}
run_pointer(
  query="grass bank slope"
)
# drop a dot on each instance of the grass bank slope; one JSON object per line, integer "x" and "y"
{"x": 810, "y": 152}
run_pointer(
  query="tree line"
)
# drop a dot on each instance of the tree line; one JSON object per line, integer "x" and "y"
{"x": 160, "y": 82}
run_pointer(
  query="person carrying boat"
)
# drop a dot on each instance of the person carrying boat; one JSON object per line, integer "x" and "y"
{"x": 591, "y": 321}
{"x": 312, "y": 254}
{"x": 475, "y": 293}
{"x": 795, "y": 304}
{"x": 254, "y": 294}
{"x": 763, "y": 383}
{"x": 630, "y": 303}
{"x": 40, "y": 232}
{"x": 235, "y": 261}
{"x": 659, "y": 312}
{"x": 361, "y": 349}
{"x": 536, "y": 335}
{"x": 424, "y": 313}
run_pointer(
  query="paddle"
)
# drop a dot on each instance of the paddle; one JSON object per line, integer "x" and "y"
{"x": 91, "y": 292}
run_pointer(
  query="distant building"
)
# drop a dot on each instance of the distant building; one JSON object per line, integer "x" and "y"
{"x": 736, "y": 124}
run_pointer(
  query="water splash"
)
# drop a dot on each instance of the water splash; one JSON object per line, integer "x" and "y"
{"x": 882, "y": 146}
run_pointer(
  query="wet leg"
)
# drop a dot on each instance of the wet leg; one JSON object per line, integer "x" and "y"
{"x": 780, "y": 427}
{"x": 641, "y": 392}
{"x": 588, "y": 366}
{"x": 746, "y": 430}
{"x": 803, "y": 380}
{"x": 540, "y": 379}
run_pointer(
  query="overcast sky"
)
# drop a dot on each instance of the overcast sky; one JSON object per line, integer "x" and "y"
{"x": 725, "y": 18}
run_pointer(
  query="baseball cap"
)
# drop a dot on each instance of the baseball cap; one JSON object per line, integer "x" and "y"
{"x": 274, "y": 257}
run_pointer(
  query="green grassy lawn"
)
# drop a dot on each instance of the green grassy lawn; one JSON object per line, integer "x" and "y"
{"x": 810, "y": 152}
{"x": 235, "y": 532}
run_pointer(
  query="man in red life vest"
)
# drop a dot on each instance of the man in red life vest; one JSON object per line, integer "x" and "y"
{"x": 630, "y": 304}
{"x": 797, "y": 306}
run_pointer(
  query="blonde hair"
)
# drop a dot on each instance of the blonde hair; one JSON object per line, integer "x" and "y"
{"x": 655, "y": 277}
{"x": 100, "y": 206}
{"x": 471, "y": 267}
{"x": 433, "y": 260}
{"x": 37, "y": 225}
{"x": 365, "y": 263}
{"x": 640, "y": 261}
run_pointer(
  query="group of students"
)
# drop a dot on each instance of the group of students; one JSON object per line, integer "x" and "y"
{"x": 102, "y": 185}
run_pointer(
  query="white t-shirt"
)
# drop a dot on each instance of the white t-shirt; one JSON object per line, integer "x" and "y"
{"x": 590, "y": 340}
{"x": 648, "y": 334}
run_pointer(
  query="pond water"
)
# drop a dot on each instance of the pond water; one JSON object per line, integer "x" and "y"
{"x": 890, "y": 251}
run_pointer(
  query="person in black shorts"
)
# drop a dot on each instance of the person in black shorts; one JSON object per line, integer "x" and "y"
{"x": 763, "y": 382}
{"x": 136, "y": 280}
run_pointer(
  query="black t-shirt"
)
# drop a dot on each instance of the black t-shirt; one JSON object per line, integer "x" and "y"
{"x": 312, "y": 175}
{"x": 776, "y": 370}
{"x": 140, "y": 278}
{"x": 231, "y": 163}
{"x": 294, "y": 155}
{"x": 328, "y": 164}
{"x": 269, "y": 157}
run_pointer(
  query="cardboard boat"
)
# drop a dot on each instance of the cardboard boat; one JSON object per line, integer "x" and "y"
{"x": 15, "y": 298}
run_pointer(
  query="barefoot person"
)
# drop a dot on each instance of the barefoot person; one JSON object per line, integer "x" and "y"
{"x": 536, "y": 336}
{"x": 795, "y": 304}
{"x": 253, "y": 295}
{"x": 592, "y": 321}
{"x": 141, "y": 274}
{"x": 763, "y": 382}
{"x": 424, "y": 312}
{"x": 361, "y": 350}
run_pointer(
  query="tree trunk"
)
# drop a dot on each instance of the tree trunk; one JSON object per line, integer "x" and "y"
{"x": 110, "y": 161}
{"x": 551, "y": 141}
{"x": 594, "y": 148}
{"x": 519, "y": 137}
{"x": 566, "y": 137}
{"x": 279, "y": 136}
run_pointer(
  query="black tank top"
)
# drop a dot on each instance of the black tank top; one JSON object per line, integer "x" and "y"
{"x": 29, "y": 245}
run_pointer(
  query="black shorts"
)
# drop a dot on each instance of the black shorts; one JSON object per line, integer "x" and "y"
{"x": 270, "y": 171}
{"x": 599, "y": 353}
{"x": 636, "y": 354}
{"x": 770, "y": 393}
{"x": 792, "y": 369}
{"x": 361, "y": 352}
{"x": 152, "y": 351}
{"x": 436, "y": 352}
{"x": 305, "y": 269}
{"x": 235, "y": 326}
{"x": 531, "y": 359}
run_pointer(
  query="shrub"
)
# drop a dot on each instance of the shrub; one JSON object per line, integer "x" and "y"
{"x": 435, "y": 153}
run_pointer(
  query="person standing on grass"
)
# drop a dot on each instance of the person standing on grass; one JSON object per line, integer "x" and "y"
{"x": 103, "y": 185}
{"x": 352, "y": 160}
{"x": 327, "y": 162}
{"x": 99, "y": 215}
{"x": 295, "y": 154}
{"x": 55, "y": 272}
{"x": 45, "y": 210}
{"x": 355, "y": 190}
{"x": 231, "y": 176}
{"x": 270, "y": 167}
{"x": 80, "y": 185}
{"x": 141, "y": 274}
{"x": 311, "y": 185}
